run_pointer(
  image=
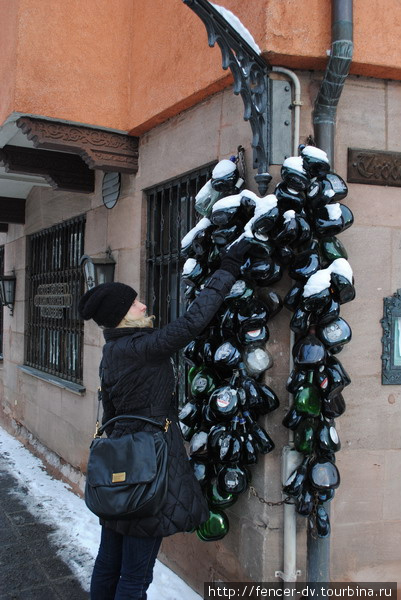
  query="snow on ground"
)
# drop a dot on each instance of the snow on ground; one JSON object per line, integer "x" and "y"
{"x": 77, "y": 531}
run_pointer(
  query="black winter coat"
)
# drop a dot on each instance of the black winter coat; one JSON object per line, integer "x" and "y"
{"x": 139, "y": 375}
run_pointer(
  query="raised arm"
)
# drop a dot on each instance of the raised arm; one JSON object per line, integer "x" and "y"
{"x": 177, "y": 334}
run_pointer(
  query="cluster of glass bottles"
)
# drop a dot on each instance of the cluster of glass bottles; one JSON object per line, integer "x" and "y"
{"x": 294, "y": 228}
{"x": 227, "y": 396}
{"x": 323, "y": 282}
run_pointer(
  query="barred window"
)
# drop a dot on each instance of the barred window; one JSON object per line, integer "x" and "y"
{"x": 170, "y": 215}
{"x": 55, "y": 331}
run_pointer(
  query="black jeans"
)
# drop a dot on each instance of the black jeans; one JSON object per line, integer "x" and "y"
{"x": 124, "y": 566}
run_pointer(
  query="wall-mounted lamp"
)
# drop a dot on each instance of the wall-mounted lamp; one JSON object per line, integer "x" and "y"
{"x": 7, "y": 291}
{"x": 98, "y": 270}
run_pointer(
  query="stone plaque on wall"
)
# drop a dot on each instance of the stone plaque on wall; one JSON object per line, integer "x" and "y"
{"x": 374, "y": 167}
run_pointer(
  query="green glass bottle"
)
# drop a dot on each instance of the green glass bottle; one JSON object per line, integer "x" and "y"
{"x": 331, "y": 248}
{"x": 307, "y": 398}
{"x": 218, "y": 500}
{"x": 304, "y": 436}
{"x": 203, "y": 383}
{"x": 191, "y": 373}
{"x": 215, "y": 528}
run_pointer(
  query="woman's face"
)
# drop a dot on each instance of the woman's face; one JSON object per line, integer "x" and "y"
{"x": 137, "y": 310}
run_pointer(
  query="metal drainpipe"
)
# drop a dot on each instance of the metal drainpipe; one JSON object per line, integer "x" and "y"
{"x": 290, "y": 457}
{"x": 324, "y": 118}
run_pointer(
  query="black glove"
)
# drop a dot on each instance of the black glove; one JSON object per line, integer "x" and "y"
{"x": 233, "y": 258}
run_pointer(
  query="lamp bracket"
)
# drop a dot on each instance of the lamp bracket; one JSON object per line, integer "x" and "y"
{"x": 251, "y": 80}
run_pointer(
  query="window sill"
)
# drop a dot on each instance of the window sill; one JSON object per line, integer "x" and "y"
{"x": 75, "y": 388}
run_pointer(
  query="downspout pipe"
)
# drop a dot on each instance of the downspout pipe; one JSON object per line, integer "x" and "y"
{"x": 324, "y": 120}
{"x": 290, "y": 457}
{"x": 325, "y": 109}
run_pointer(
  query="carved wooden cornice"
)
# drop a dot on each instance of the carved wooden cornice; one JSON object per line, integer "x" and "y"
{"x": 62, "y": 171}
{"x": 99, "y": 149}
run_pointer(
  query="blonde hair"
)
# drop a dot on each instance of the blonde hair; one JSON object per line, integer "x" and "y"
{"x": 141, "y": 322}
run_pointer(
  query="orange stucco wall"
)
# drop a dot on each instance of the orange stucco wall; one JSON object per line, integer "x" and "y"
{"x": 72, "y": 60}
{"x": 8, "y": 55}
{"x": 130, "y": 64}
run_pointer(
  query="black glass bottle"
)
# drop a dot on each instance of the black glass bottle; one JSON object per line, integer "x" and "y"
{"x": 300, "y": 321}
{"x": 321, "y": 522}
{"x": 304, "y": 265}
{"x": 224, "y": 401}
{"x": 305, "y": 502}
{"x": 327, "y": 437}
{"x": 198, "y": 445}
{"x": 336, "y": 333}
{"x": 289, "y": 199}
{"x": 190, "y": 413}
{"x": 263, "y": 441}
{"x": 296, "y": 379}
{"x": 241, "y": 290}
{"x": 295, "y": 481}
{"x": 202, "y": 471}
{"x": 333, "y": 407}
{"x": 315, "y": 161}
{"x": 309, "y": 351}
{"x": 323, "y": 474}
{"x": 292, "y": 419}
{"x": 232, "y": 479}
{"x": 249, "y": 454}
{"x": 294, "y": 296}
{"x": 343, "y": 290}
{"x": 293, "y": 174}
{"x": 230, "y": 444}
{"x": 227, "y": 356}
{"x": 329, "y": 313}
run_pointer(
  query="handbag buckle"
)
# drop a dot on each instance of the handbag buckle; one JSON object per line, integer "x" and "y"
{"x": 167, "y": 424}
{"x": 97, "y": 434}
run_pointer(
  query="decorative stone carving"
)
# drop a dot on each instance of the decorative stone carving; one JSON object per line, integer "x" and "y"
{"x": 374, "y": 167}
{"x": 391, "y": 373}
{"x": 100, "y": 149}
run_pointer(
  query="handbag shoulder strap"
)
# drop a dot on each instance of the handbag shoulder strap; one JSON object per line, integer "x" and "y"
{"x": 163, "y": 427}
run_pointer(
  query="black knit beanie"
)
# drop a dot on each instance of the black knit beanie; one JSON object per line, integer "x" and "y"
{"x": 107, "y": 303}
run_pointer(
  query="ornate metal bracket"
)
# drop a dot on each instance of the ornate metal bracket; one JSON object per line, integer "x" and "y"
{"x": 391, "y": 323}
{"x": 251, "y": 80}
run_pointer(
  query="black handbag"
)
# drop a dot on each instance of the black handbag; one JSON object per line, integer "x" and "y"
{"x": 127, "y": 477}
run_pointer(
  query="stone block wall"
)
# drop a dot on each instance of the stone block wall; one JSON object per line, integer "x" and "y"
{"x": 366, "y": 516}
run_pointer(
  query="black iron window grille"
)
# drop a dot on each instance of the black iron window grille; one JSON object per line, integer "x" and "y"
{"x": 55, "y": 331}
{"x": 1, "y": 308}
{"x": 170, "y": 215}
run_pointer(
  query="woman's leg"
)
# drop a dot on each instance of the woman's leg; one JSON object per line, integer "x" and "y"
{"x": 139, "y": 557}
{"x": 106, "y": 571}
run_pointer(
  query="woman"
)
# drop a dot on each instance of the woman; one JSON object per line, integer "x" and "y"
{"x": 138, "y": 377}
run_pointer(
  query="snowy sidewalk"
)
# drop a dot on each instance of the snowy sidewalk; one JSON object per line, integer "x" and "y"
{"x": 49, "y": 539}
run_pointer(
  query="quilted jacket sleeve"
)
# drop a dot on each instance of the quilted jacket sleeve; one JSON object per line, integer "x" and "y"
{"x": 177, "y": 334}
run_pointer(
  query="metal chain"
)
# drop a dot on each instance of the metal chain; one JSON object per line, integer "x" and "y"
{"x": 286, "y": 500}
